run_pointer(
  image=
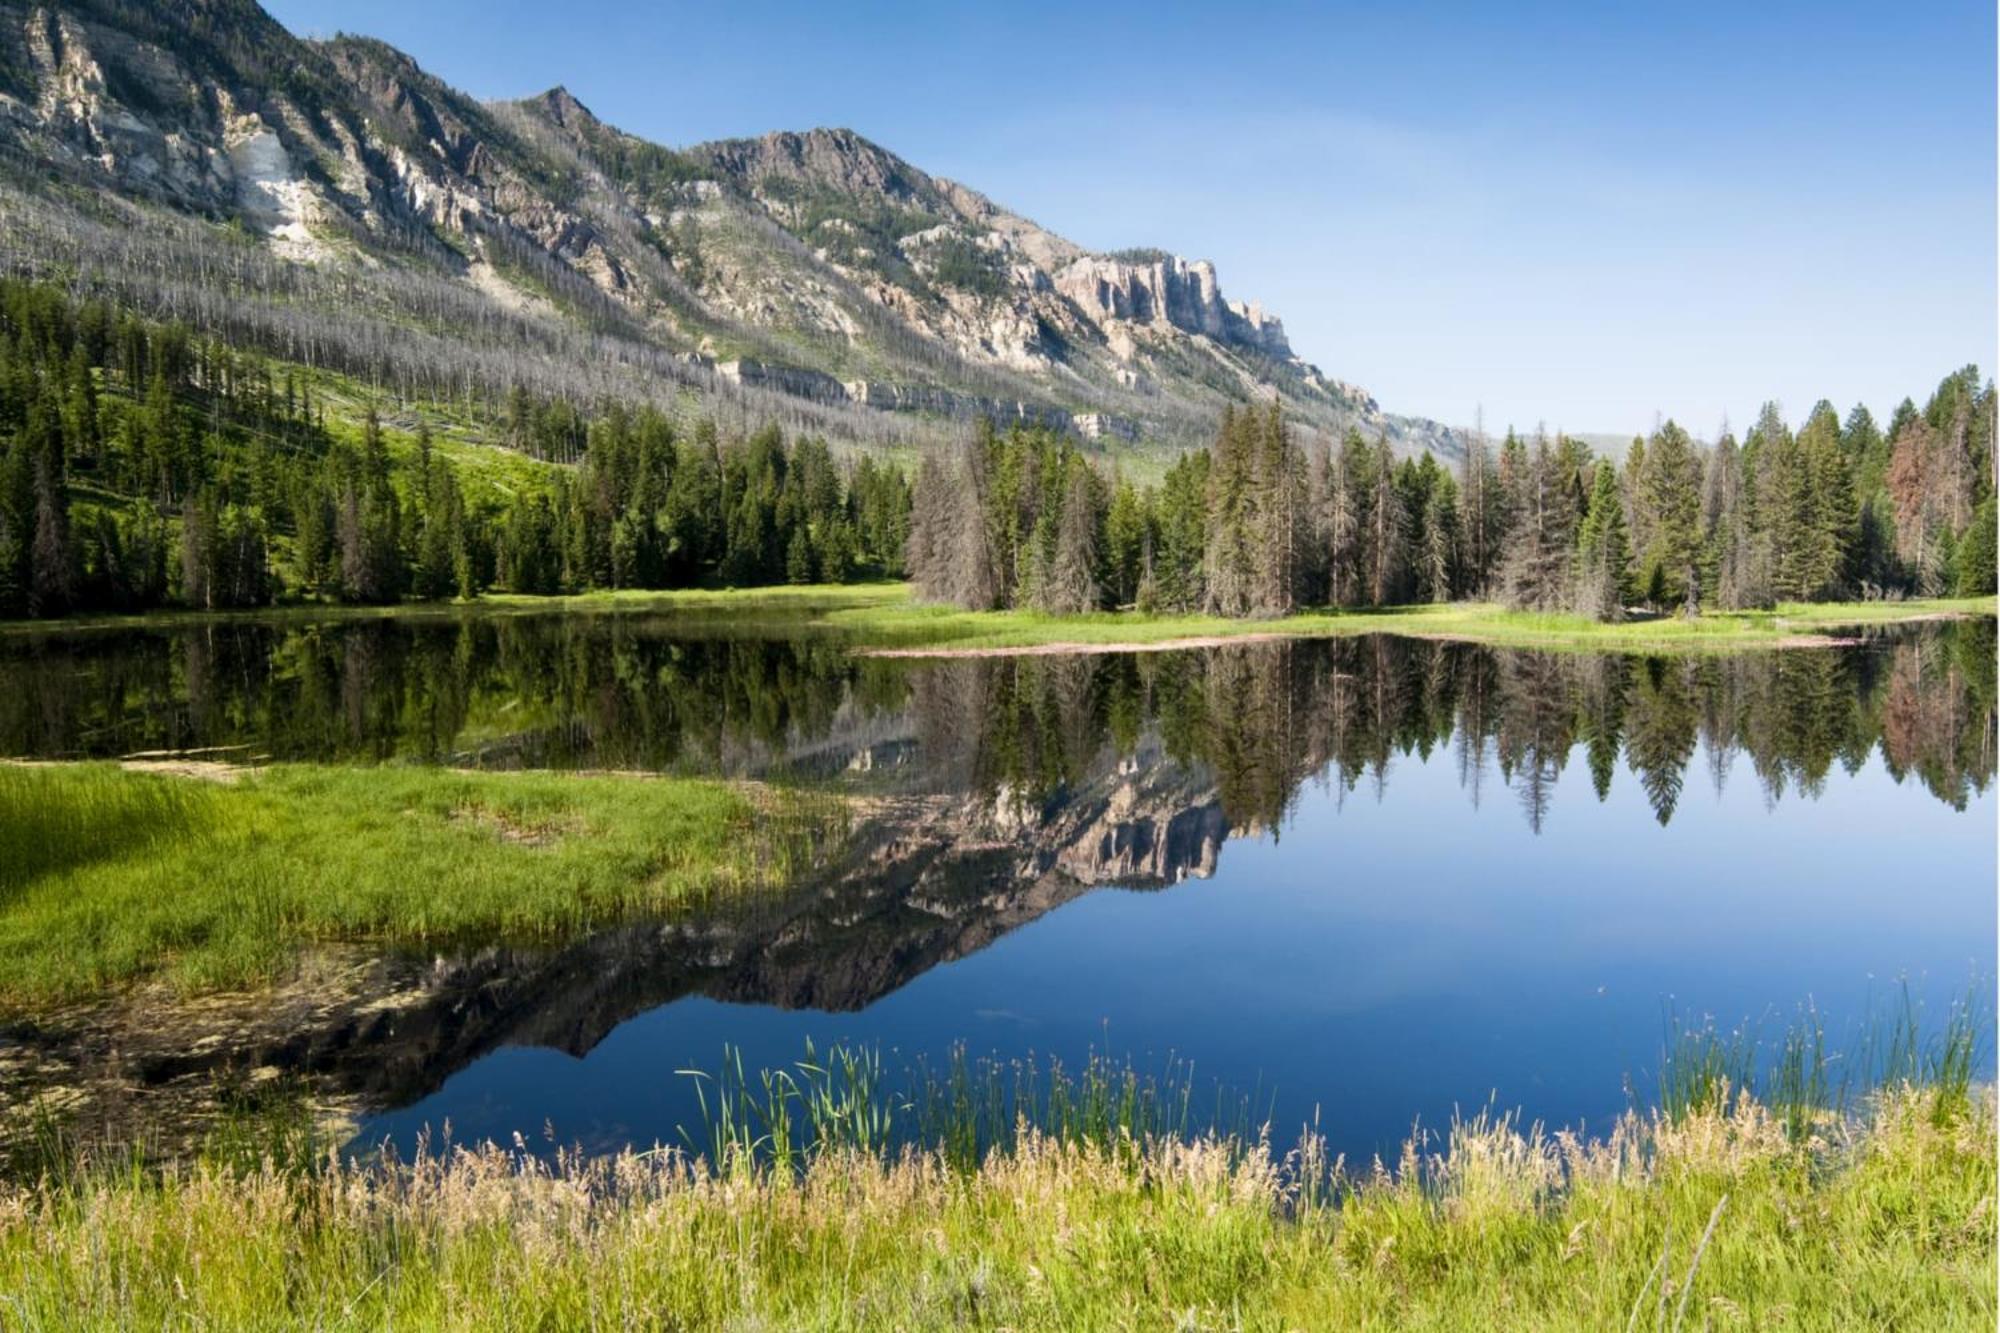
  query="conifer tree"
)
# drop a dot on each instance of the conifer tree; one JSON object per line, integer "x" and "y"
{"x": 1125, "y": 542}
{"x": 1442, "y": 528}
{"x": 1670, "y": 499}
{"x": 1351, "y": 469}
{"x": 1477, "y": 503}
{"x": 1604, "y": 550}
{"x": 1386, "y": 528}
{"x": 1178, "y": 553}
{"x": 1230, "y": 557}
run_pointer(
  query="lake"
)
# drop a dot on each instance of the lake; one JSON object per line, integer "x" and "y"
{"x": 1366, "y": 883}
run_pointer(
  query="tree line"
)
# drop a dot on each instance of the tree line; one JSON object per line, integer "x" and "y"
{"x": 1248, "y": 724}
{"x": 1255, "y": 525}
{"x": 143, "y": 466}
{"x": 1252, "y": 724}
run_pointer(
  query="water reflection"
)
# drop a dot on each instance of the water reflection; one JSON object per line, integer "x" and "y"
{"x": 1263, "y": 719}
{"x": 1258, "y": 719}
{"x": 999, "y": 790}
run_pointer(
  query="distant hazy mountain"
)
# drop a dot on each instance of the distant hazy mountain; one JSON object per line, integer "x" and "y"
{"x": 331, "y": 198}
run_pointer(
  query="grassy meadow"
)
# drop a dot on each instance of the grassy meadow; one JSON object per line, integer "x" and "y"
{"x": 885, "y": 616}
{"x": 211, "y": 877}
{"x": 1722, "y": 1211}
{"x": 909, "y": 625}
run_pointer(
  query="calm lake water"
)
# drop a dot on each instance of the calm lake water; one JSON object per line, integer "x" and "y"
{"x": 1367, "y": 881}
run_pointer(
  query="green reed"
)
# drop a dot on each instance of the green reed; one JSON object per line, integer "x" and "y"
{"x": 840, "y": 1099}
{"x": 1804, "y": 1081}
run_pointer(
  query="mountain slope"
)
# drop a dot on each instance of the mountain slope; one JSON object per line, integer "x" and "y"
{"x": 449, "y": 244}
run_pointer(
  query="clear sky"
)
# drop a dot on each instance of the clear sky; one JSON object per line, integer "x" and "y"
{"x": 1587, "y": 214}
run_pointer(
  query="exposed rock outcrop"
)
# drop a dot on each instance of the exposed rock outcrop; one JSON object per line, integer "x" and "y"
{"x": 1173, "y": 292}
{"x": 805, "y": 264}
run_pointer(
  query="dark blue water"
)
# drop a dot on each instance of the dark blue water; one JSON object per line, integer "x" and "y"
{"x": 1386, "y": 957}
{"x": 1367, "y": 883}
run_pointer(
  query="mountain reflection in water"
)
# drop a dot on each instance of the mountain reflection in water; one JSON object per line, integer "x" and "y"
{"x": 992, "y": 791}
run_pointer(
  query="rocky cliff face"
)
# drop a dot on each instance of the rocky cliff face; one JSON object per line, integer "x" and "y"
{"x": 841, "y": 273}
{"x": 1174, "y": 293}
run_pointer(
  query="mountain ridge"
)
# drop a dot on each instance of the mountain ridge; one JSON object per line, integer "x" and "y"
{"x": 814, "y": 272}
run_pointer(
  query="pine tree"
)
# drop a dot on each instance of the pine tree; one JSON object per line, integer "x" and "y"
{"x": 1351, "y": 468}
{"x": 1442, "y": 526}
{"x": 1125, "y": 533}
{"x": 1976, "y": 558}
{"x": 1230, "y": 562}
{"x": 1179, "y": 551}
{"x": 1670, "y": 500}
{"x": 1387, "y": 525}
{"x": 1477, "y": 500}
{"x": 50, "y": 561}
{"x": 1278, "y": 528}
{"x": 1537, "y": 566}
{"x": 1604, "y": 550}
{"x": 1072, "y": 585}
{"x": 972, "y": 572}
{"x": 925, "y": 549}
{"x": 1731, "y": 580}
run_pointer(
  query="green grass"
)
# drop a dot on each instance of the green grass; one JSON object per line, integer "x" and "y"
{"x": 804, "y": 599}
{"x": 884, "y": 615}
{"x": 1715, "y": 1219}
{"x": 109, "y": 877}
{"x": 909, "y": 624}
{"x": 793, "y": 601}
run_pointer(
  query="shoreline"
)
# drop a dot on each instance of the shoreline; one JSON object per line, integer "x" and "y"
{"x": 915, "y": 631}
{"x": 883, "y": 620}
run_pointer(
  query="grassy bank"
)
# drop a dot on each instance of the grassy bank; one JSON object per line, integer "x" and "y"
{"x": 109, "y": 876}
{"x": 787, "y": 601}
{"x": 885, "y": 616}
{"x": 907, "y": 625}
{"x": 1719, "y": 1217}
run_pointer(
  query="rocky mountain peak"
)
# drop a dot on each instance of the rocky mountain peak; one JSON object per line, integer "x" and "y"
{"x": 812, "y": 265}
{"x": 836, "y": 160}
{"x": 561, "y": 107}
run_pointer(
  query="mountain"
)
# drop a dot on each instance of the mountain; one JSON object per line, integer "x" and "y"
{"x": 333, "y": 202}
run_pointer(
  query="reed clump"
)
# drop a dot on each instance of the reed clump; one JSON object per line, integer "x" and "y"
{"x": 830, "y": 1195}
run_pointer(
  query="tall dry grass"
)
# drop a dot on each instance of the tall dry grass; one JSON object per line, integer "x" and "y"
{"x": 1717, "y": 1218}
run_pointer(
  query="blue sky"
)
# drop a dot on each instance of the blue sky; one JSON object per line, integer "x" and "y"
{"x": 1580, "y": 214}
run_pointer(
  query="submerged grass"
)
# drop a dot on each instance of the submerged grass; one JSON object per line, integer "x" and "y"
{"x": 109, "y": 876}
{"x": 1716, "y": 1218}
{"x": 912, "y": 625}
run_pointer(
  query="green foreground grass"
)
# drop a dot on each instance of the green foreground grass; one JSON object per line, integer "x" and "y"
{"x": 1719, "y": 1218}
{"x": 912, "y": 625}
{"x": 109, "y": 876}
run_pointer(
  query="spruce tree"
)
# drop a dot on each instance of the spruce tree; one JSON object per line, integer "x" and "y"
{"x": 1604, "y": 550}
{"x": 1670, "y": 500}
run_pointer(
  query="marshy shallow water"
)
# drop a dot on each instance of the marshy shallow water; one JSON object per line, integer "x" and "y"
{"x": 1363, "y": 882}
